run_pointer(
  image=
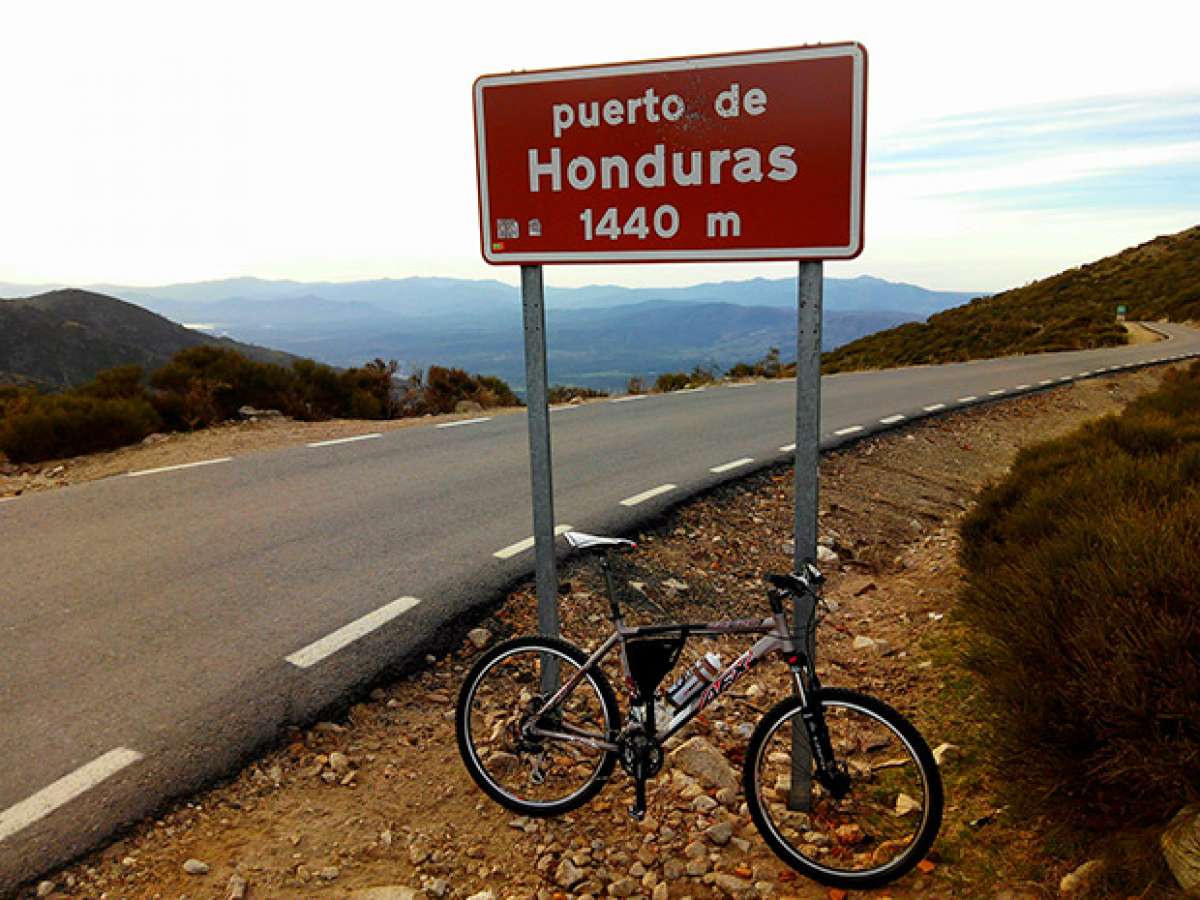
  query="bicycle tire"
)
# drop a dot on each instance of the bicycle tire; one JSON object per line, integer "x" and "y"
{"x": 874, "y": 795}
{"x": 514, "y": 706}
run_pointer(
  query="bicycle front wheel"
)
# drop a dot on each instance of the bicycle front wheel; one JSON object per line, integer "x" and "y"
{"x": 525, "y": 770}
{"x": 888, "y": 812}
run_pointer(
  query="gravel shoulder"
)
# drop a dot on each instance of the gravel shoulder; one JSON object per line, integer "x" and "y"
{"x": 378, "y": 798}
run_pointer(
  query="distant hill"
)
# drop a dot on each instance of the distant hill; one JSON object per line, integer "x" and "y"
{"x": 63, "y": 338}
{"x": 598, "y": 335}
{"x": 1073, "y": 310}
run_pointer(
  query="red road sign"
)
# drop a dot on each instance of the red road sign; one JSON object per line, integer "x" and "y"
{"x": 743, "y": 156}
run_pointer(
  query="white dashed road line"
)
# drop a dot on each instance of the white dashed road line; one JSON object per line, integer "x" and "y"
{"x": 695, "y": 390}
{"x": 348, "y": 634}
{"x": 646, "y": 495}
{"x": 191, "y": 465}
{"x": 892, "y": 420}
{"x": 970, "y": 399}
{"x": 787, "y": 448}
{"x": 1083, "y": 374}
{"x": 997, "y": 392}
{"x": 1023, "y": 387}
{"x": 935, "y": 407}
{"x": 465, "y": 422}
{"x": 63, "y": 791}
{"x": 848, "y": 430}
{"x": 345, "y": 440}
{"x": 1046, "y": 381}
{"x": 7, "y": 499}
{"x": 527, "y": 544}
{"x": 628, "y": 399}
{"x": 736, "y": 464}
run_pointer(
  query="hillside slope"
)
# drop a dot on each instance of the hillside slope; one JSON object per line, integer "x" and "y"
{"x": 1073, "y": 310}
{"x": 63, "y": 338}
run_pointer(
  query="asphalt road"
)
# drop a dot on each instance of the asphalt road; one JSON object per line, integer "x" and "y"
{"x": 157, "y": 630}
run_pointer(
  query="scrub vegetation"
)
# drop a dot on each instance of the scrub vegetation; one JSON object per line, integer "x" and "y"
{"x": 1083, "y": 592}
{"x": 204, "y": 385}
{"x": 1074, "y": 310}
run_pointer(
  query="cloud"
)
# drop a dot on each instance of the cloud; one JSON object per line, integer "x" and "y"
{"x": 1117, "y": 153}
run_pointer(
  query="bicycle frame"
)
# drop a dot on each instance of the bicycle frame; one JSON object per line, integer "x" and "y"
{"x": 777, "y": 639}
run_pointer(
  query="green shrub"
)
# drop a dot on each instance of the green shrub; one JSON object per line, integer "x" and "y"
{"x": 565, "y": 393}
{"x": 635, "y": 385}
{"x": 50, "y": 427}
{"x": 1083, "y": 590}
{"x": 671, "y": 381}
{"x": 445, "y": 388}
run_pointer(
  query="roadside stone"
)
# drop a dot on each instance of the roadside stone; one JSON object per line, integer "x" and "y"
{"x": 825, "y": 555}
{"x": 45, "y": 888}
{"x": 479, "y": 637}
{"x": 862, "y": 642}
{"x": 1181, "y": 847}
{"x": 329, "y": 873}
{"x": 704, "y": 803}
{"x": 705, "y": 762}
{"x": 236, "y": 889}
{"x": 906, "y": 804}
{"x": 696, "y": 867}
{"x": 720, "y": 833}
{"x": 483, "y": 895}
{"x": 567, "y": 875}
{"x": 1081, "y": 879}
{"x": 339, "y": 762}
{"x": 388, "y": 892}
{"x": 661, "y": 892}
{"x": 732, "y": 886}
{"x": 625, "y": 887}
{"x": 941, "y": 751}
{"x": 195, "y": 867}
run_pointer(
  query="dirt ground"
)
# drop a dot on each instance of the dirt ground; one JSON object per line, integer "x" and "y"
{"x": 378, "y": 805}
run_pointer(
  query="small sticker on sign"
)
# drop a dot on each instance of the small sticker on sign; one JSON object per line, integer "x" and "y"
{"x": 535, "y": 227}
{"x": 508, "y": 229}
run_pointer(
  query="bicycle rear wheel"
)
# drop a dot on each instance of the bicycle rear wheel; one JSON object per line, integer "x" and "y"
{"x": 885, "y": 822}
{"x": 535, "y": 776}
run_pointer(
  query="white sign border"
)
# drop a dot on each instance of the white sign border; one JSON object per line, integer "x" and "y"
{"x": 832, "y": 51}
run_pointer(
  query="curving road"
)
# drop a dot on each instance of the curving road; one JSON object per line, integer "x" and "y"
{"x": 157, "y": 630}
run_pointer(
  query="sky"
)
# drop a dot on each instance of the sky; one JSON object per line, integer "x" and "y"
{"x": 149, "y": 142}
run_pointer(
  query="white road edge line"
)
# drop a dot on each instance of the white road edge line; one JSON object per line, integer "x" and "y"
{"x": 741, "y": 384}
{"x": 970, "y": 399}
{"x": 1046, "y": 381}
{"x": 191, "y": 465}
{"x": 527, "y": 544}
{"x": 465, "y": 422}
{"x": 63, "y": 791}
{"x": 1022, "y": 387}
{"x": 935, "y": 407}
{"x": 7, "y": 499}
{"x": 694, "y": 390}
{"x": 787, "y": 448}
{"x": 737, "y": 463}
{"x": 892, "y": 420}
{"x": 628, "y": 399}
{"x": 997, "y": 392}
{"x": 1083, "y": 374}
{"x": 851, "y": 429}
{"x": 345, "y": 440}
{"x": 646, "y": 495}
{"x": 348, "y": 634}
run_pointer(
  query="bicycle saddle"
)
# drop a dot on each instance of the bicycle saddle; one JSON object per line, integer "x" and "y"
{"x": 580, "y": 541}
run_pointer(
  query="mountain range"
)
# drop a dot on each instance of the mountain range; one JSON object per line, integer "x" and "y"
{"x": 597, "y": 335}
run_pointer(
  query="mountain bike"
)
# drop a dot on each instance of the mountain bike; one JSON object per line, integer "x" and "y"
{"x": 840, "y": 786}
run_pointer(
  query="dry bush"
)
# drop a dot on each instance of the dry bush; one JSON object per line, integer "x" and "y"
{"x": 1083, "y": 590}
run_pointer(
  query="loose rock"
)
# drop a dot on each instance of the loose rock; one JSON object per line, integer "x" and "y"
{"x": 702, "y": 760}
{"x": 195, "y": 867}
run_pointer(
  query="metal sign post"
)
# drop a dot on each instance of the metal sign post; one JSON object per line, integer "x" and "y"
{"x": 540, "y": 468}
{"x": 808, "y": 449}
